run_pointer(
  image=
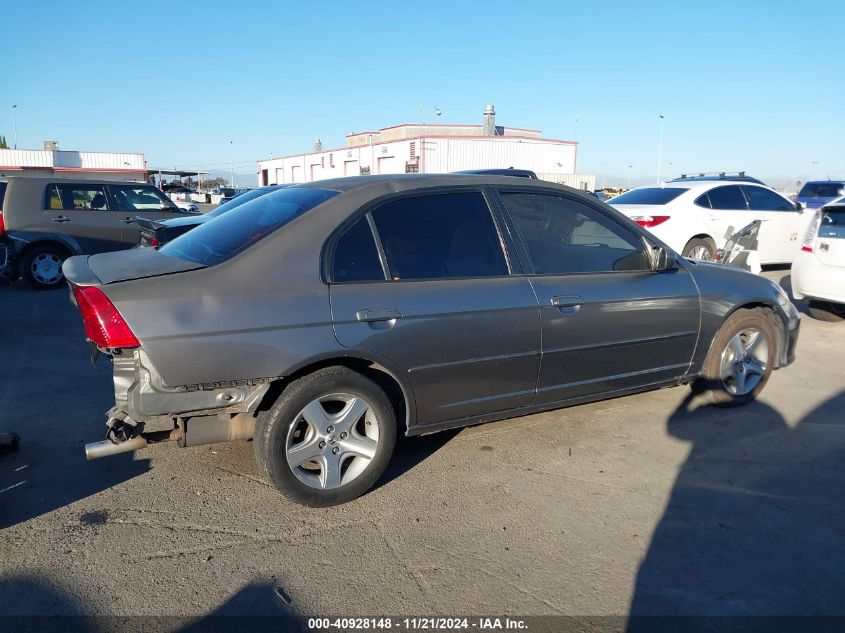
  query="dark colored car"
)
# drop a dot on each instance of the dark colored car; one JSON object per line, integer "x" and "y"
{"x": 45, "y": 220}
{"x": 324, "y": 319}
{"x": 818, "y": 193}
{"x": 738, "y": 177}
{"x": 501, "y": 171}
{"x": 158, "y": 232}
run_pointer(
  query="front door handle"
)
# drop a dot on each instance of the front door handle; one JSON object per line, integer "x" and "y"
{"x": 61, "y": 218}
{"x": 567, "y": 304}
{"x": 371, "y": 315}
{"x": 128, "y": 220}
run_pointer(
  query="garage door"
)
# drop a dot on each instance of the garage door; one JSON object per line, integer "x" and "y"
{"x": 387, "y": 165}
{"x": 350, "y": 168}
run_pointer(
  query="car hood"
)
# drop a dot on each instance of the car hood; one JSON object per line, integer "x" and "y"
{"x": 137, "y": 263}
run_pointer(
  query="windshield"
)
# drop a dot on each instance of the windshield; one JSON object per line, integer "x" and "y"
{"x": 138, "y": 197}
{"x": 651, "y": 195}
{"x": 238, "y": 201}
{"x": 231, "y": 233}
{"x": 822, "y": 190}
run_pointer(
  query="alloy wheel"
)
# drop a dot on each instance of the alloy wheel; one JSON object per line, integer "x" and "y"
{"x": 332, "y": 440}
{"x": 743, "y": 361}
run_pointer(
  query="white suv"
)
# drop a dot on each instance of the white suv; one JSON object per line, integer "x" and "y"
{"x": 697, "y": 217}
{"x": 818, "y": 272}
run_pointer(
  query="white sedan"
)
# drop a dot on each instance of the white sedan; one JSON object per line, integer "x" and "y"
{"x": 818, "y": 272}
{"x": 697, "y": 217}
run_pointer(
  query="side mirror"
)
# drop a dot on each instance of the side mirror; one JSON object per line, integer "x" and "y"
{"x": 663, "y": 259}
{"x": 800, "y": 207}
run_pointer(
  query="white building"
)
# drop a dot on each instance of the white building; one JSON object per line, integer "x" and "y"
{"x": 57, "y": 163}
{"x": 422, "y": 148}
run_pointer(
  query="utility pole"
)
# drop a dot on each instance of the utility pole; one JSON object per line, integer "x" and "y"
{"x": 15, "y": 123}
{"x": 232, "y": 162}
{"x": 660, "y": 150}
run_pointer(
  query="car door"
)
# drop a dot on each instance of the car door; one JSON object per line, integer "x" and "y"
{"x": 423, "y": 281}
{"x": 782, "y": 226}
{"x": 727, "y": 213}
{"x": 133, "y": 200}
{"x": 609, "y": 322}
{"x": 82, "y": 211}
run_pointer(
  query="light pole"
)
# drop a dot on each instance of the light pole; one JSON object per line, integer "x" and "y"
{"x": 576, "y": 130}
{"x": 15, "y": 123}
{"x": 629, "y": 176}
{"x": 437, "y": 113}
{"x": 660, "y": 149}
{"x": 232, "y": 161}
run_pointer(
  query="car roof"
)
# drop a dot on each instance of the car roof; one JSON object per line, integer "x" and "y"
{"x": 825, "y": 182}
{"x": 75, "y": 181}
{"x": 407, "y": 182}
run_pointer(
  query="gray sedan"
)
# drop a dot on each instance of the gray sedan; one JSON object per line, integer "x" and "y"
{"x": 324, "y": 319}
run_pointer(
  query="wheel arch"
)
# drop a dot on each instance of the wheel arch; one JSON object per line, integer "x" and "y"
{"x": 776, "y": 320}
{"x": 379, "y": 370}
{"x": 66, "y": 244}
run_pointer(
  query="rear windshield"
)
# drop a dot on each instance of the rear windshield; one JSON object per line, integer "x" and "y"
{"x": 822, "y": 190}
{"x": 652, "y": 195}
{"x": 2, "y": 194}
{"x": 238, "y": 201}
{"x": 227, "y": 235}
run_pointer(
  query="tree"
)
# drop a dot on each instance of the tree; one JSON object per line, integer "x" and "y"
{"x": 214, "y": 183}
{"x": 3, "y": 143}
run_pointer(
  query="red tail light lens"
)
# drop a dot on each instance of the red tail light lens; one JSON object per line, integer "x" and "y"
{"x": 154, "y": 241}
{"x": 649, "y": 221}
{"x": 807, "y": 249}
{"x": 103, "y": 323}
{"x": 2, "y": 226}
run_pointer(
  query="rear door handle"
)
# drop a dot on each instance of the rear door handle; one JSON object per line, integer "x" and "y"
{"x": 371, "y": 315}
{"x": 61, "y": 218}
{"x": 567, "y": 304}
{"x": 128, "y": 220}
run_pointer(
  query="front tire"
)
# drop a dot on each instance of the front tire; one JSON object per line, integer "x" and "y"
{"x": 327, "y": 438}
{"x": 741, "y": 358}
{"x": 41, "y": 267}
{"x": 703, "y": 249}
{"x": 827, "y": 311}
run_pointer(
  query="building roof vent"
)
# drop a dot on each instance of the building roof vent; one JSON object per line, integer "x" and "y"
{"x": 51, "y": 146}
{"x": 488, "y": 127}
{"x": 318, "y": 145}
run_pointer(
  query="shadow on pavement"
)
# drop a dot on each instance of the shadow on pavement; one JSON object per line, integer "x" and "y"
{"x": 410, "y": 452}
{"x": 756, "y": 519}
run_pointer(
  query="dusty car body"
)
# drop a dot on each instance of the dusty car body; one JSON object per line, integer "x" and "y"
{"x": 214, "y": 340}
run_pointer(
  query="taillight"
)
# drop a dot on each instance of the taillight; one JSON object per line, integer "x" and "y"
{"x": 2, "y": 226}
{"x": 154, "y": 241}
{"x": 103, "y": 323}
{"x": 812, "y": 231}
{"x": 649, "y": 221}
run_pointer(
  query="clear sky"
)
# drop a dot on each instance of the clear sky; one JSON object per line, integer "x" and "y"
{"x": 742, "y": 85}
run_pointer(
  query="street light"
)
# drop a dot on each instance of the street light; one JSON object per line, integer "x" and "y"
{"x": 629, "y": 176}
{"x": 232, "y": 162}
{"x": 15, "y": 123}
{"x": 660, "y": 149}
{"x": 437, "y": 113}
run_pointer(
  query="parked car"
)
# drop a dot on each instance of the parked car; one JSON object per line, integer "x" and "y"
{"x": 501, "y": 171}
{"x": 817, "y": 193}
{"x": 697, "y": 217}
{"x": 227, "y": 194}
{"x": 818, "y": 272}
{"x": 43, "y": 221}
{"x": 182, "y": 197}
{"x": 323, "y": 319}
{"x": 156, "y": 233}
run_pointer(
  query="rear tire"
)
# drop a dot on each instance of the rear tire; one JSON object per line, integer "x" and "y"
{"x": 827, "y": 311}
{"x": 41, "y": 267}
{"x": 327, "y": 438}
{"x": 741, "y": 358}
{"x": 703, "y": 249}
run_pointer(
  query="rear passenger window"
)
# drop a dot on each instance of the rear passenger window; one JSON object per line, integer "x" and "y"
{"x": 77, "y": 198}
{"x": 727, "y": 198}
{"x": 355, "y": 255}
{"x": 565, "y": 236}
{"x": 437, "y": 236}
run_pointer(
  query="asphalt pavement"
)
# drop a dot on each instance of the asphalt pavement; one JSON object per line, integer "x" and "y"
{"x": 646, "y": 504}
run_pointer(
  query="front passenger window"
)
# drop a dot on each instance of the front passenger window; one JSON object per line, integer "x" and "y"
{"x": 761, "y": 199}
{"x": 566, "y": 236}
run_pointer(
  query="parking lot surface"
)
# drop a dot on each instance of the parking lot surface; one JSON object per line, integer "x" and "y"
{"x": 644, "y": 504}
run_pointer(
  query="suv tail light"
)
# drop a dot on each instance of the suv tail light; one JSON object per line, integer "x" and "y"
{"x": 812, "y": 231}
{"x": 103, "y": 323}
{"x": 2, "y": 226}
{"x": 649, "y": 221}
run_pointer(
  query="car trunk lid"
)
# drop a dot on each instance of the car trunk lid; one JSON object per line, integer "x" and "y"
{"x": 830, "y": 241}
{"x": 107, "y": 268}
